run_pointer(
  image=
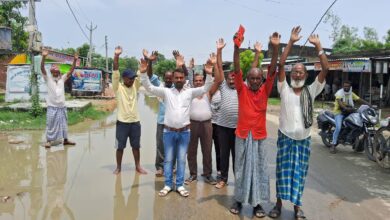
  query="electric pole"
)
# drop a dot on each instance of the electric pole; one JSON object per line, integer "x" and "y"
{"x": 91, "y": 29}
{"x": 106, "y": 54}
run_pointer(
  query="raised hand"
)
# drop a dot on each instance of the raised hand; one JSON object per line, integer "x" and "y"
{"x": 179, "y": 60}
{"x": 118, "y": 50}
{"x": 258, "y": 46}
{"x": 213, "y": 58}
{"x": 76, "y": 55}
{"x": 274, "y": 39}
{"x": 314, "y": 39}
{"x": 208, "y": 67}
{"x": 45, "y": 52}
{"x": 154, "y": 55}
{"x": 143, "y": 65}
{"x": 175, "y": 53}
{"x": 295, "y": 34}
{"x": 220, "y": 44}
{"x": 192, "y": 63}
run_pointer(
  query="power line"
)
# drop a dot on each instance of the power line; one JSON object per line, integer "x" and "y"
{"x": 83, "y": 14}
{"x": 70, "y": 8}
{"x": 303, "y": 46}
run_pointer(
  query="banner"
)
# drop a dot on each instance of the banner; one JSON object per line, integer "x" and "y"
{"x": 18, "y": 83}
{"x": 87, "y": 80}
{"x": 357, "y": 66}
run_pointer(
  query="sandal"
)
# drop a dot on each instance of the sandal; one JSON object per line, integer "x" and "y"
{"x": 220, "y": 184}
{"x": 165, "y": 191}
{"x": 259, "y": 212}
{"x": 67, "y": 142}
{"x": 300, "y": 215}
{"x": 236, "y": 208}
{"x": 275, "y": 212}
{"x": 182, "y": 191}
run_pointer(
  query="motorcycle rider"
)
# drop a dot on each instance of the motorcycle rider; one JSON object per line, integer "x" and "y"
{"x": 343, "y": 105}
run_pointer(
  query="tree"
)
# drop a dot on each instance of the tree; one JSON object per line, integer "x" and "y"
{"x": 163, "y": 66}
{"x": 246, "y": 60}
{"x": 128, "y": 63}
{"x": 11, "y": 17}
{"x": 83, "y": 50}
{"x": 334, "y": 21}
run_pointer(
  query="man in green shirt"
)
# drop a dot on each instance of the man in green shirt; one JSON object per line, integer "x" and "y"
{"x": 344, "y": 103}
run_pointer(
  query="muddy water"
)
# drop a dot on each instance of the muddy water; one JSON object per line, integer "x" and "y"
{"x": 77, "y": 182}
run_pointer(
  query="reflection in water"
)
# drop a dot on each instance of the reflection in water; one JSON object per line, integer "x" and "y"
{"x": 152, "y": 103}
{"x": 121, "y": 210}
{"x": 57, "y": 164}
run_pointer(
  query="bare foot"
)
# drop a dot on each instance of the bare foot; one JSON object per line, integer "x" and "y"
{"x": 47, "y": 144}
{"x": 117, "y": 171}
{"x": 140, "y": 170}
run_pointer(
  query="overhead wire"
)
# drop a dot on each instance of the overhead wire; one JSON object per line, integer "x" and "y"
{"x": 77, "y": 21}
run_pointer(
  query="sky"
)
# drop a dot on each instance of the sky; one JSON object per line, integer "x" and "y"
{"x": 193, "y": 26}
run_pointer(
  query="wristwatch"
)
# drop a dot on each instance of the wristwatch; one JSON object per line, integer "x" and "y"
{"x": 321, "y": 52}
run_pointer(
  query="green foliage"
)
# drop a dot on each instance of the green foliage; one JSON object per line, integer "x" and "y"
{"x": 11, "y": 120}
{"x": 2, "y": 97}
{"x": 163, "y": 66}
{"x": 246, "y": 59}
{"x": 83, "y": 50}
{"x": 128, "y": 63}
{"x": 11, "y": 17}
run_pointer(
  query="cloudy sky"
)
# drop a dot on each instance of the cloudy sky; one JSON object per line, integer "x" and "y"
{"x": 193, "y": 26}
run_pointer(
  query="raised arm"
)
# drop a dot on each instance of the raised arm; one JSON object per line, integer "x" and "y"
{"x": 155, "y": 90}
{"x": 150, "y": 59}
{"x": 293, "y": 38}
{"x": 115, "y": 70}
{"x": 220, "y": 45}
{"x": 203, "y": 89}
{"x": 274, "y": 41}
{"x": 211, "y": 66}
{"x": 258, "y": 47}
{"x": 180, "y": 62}
{"x": 45, "y": 52}
{"x": 315, "y": 40}
{"x": 75, "y": 58}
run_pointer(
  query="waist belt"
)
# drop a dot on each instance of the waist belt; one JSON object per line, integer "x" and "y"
{"x": 208, "y": 120}
{"x": 177, "y": 129}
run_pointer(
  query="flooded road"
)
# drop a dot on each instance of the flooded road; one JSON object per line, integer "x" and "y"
{"x": 77, "y": 182}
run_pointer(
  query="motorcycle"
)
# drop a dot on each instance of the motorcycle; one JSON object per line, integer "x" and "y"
{"x": 381, "y": 146}
{"x": 356, "y": 124}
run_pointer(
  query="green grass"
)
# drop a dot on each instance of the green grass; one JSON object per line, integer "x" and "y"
{"x": 274, "y": 101}
{"x": 11, "y": 120}
{"x": 2, "y": 97}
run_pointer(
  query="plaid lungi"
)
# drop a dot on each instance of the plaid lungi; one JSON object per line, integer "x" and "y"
{"x": 56, "y": 123}
{"x": 292, "y": 164}
{"x": 251, "y": 171}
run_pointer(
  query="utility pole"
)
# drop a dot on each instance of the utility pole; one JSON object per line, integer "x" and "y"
{"x": 106, "y": 54}
{"x": 91, "y": 29}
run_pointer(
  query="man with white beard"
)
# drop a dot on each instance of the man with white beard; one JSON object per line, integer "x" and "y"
{"x": 296, "y": 118}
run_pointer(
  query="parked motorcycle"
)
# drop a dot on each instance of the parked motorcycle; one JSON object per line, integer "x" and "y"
{"x": 357, "y": 124}
{"x": 381, "y": 145}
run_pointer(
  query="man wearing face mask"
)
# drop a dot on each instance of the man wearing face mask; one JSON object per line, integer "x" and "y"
{"x": 251, "y": 172}
{"x": 295, "y": 121}
{"x": 56, "y": 115}
{"x": 344, "y": 104}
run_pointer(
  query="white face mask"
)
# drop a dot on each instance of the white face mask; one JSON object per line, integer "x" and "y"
{"x": 296, "y": 84}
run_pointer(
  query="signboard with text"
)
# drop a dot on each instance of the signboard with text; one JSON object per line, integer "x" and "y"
{"x": 87, "y": 80}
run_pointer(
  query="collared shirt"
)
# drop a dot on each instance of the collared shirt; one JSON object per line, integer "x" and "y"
{"x": 291, "y": 121}
{"x": 161, "y": 106}
{"x": 55, "y": 90}
{"x": 126, "y": 99}
{"x": 337, "y": 108}
{"x": 252, "y": 108}
{"x": 200, "y": 108}
{"x": 177, "y": 103}
{"x": 228, "y": 111}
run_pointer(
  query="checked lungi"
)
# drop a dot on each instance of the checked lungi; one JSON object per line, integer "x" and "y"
{"x": 251, "y": 171}
{"x": 292, "y": 164}
{"x": 56, "y": 123}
